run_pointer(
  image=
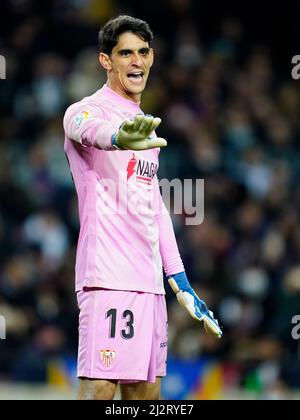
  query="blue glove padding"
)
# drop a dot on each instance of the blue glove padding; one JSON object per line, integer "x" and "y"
{"x": 196, "y": 307}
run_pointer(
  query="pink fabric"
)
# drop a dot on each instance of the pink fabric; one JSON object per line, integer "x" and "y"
{"x": 139, "y": 358}
{"x": 172, "y": 262}
{"x": 126, "y": 235}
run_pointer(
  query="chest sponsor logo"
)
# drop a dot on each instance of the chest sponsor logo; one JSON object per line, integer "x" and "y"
{"x": 143, "y": 170}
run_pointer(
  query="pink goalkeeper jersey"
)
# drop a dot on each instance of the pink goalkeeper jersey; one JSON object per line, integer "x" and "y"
{"x": 126, "y": 233}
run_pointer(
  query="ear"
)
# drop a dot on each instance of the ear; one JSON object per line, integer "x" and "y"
{"x": 151, "y": 57}
{"x": 105, "y": 62}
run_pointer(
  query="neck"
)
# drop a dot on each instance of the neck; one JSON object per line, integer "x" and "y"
{"x": 134, "y": 97}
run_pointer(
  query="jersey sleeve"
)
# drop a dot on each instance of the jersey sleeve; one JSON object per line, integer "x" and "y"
{"x": 87, "y": 125}
{"x": 169, "y": 252}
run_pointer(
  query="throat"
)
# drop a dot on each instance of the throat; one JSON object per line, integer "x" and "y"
{"x": 124, "y": 92}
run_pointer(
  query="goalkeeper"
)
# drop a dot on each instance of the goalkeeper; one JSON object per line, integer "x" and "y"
{"x": 124, "y": 242}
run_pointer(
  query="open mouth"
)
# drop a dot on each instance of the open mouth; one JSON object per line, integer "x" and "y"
{"x": 136, "y": 75}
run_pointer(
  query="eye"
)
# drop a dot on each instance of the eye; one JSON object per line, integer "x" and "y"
{"x": 125, "y": 53}
{"x": 144, "y": 51}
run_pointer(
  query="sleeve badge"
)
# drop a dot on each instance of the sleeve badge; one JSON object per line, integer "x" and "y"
{"x": 81, "y": 117}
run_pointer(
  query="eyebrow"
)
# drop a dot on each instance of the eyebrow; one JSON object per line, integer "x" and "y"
{"x": 127, "y": 50}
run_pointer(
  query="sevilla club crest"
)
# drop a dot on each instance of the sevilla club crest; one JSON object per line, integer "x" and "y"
{"x": 107, "y": 357}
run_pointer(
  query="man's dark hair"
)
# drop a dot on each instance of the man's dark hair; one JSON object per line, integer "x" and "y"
{"x": 109, "y": 34}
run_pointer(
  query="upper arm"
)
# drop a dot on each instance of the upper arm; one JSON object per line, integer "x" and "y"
{"x": 78, "y": 119}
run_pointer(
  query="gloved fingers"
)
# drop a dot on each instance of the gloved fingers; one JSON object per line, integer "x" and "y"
{"x": 151, "y": 144}
{"x": 127, "y": 126}
{"x": 138, "y": 119}
{"x": 210, "y": 323}
{"x": 146, "y": 124}
{"x": 211, "y": 328}
{"x": 187, "y": 305}
{"x": 154, "y": 124}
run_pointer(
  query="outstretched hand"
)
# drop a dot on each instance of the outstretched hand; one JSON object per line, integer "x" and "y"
{"x": 134, "y": 134}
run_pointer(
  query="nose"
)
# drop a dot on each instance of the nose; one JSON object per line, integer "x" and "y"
{"x": 137, "y": 60}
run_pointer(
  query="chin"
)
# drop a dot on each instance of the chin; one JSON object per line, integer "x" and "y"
{"x": 136, "y": 91}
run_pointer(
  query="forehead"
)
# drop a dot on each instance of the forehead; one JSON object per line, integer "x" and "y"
{"x": 130, "y": 41}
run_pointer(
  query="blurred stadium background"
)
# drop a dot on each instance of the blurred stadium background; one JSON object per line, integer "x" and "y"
{"x": 230, "y": 108}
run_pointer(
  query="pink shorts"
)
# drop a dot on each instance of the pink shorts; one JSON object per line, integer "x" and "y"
{"x": 122, "y": 335}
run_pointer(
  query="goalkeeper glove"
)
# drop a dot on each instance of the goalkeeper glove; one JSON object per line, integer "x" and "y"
{"x": 196, "y": 307}
{"x": 134, "y": 134}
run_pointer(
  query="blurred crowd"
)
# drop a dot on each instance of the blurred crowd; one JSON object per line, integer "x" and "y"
{"x": 231, "y": 117}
